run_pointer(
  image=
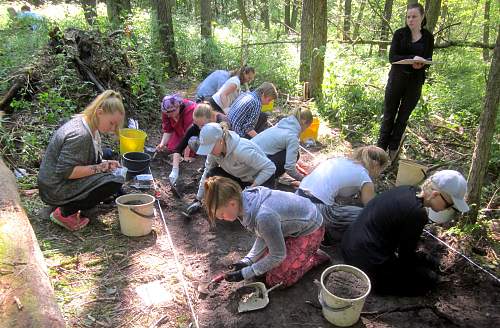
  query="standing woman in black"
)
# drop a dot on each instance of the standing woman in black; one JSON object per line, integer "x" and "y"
{"x": 405, "y": 81}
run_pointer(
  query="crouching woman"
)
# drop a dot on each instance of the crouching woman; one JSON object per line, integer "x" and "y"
{"x": 288, "y": 228}
{"x": 72, "y": 174}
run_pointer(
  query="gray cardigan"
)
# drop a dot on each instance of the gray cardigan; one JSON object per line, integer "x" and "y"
{"x": 244, "y": 160}
{"x": 70, "y": 146}
{"x": 274, "y": 215}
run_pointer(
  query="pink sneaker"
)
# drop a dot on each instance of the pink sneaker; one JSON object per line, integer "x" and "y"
{"x": 71, "y": 222}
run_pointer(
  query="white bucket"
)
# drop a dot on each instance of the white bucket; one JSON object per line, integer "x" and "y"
{"x": 410, "y": 173}
{"x": 339, "y": 311}
{"x": 136, "y": 220}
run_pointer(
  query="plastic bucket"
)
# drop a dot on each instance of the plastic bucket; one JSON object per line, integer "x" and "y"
{"x": 132, "y": 140}
{"x": 311, "y": 132}
{"x": 136, "y": 161}
{"x": 268, "y": 107}
{"x": 340, "y": 311}
{"x": 136, "y": 220}
{"x": 410, "y": 173}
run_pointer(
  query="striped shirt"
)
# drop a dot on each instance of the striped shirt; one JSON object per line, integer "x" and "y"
{"x": 244, "y": 113}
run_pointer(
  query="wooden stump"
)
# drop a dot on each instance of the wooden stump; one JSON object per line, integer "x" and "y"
{"x": 26, "y": 295}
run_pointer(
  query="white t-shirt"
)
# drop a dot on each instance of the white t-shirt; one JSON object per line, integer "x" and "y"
{"x": 232, "y": 96}
{"x": 96, "y": 139}
{"x": 335, "y": 177}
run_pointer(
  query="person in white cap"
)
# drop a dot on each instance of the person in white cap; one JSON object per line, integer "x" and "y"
{"x": 232, "y": 157}
{"x": 383, "y": 240}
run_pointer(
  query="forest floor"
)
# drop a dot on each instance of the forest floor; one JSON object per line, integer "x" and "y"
{"x": 105, "y": 279}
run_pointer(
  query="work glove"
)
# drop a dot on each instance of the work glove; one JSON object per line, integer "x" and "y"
{"x": 233, "y": 276}
{"x": 192, "y": 209}
{"x": 237, "y": 266}
{"x": 174, "y": 175}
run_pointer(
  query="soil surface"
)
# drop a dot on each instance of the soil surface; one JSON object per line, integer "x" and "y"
{"x": 345, "y": 285}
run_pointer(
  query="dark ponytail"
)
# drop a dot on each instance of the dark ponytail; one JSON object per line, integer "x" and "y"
{"x": 421, "y": 10}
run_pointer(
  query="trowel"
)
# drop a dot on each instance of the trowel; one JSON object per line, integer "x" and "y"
{"x": 207, "y": 287}
{"x": 258, "y": 299}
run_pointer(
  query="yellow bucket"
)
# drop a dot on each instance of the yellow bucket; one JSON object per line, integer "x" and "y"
{"x": 268, "y": 107}
{"x": 311, "y": 132}
{"x": 132, "y": 140}
{"x": 410, "y": 173}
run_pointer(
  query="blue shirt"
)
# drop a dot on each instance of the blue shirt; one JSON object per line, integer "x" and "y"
{"x": 244, "y": 113}
{"x": 212, "y": 83}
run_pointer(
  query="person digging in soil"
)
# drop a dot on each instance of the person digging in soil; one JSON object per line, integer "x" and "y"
{"x": 281, "y": 142}
{"x": 202, "y": 115}
{"x": 177, "y": 117}
{"x": 346, "y": 177}
{"x": 230, "y": 90}
{"x": 233, "y": 157}
{"x": 245, "y": 115}
{"x": 383, "y": 240}
{"x": 288, "y": 228}
{"x": 72, "y": 174}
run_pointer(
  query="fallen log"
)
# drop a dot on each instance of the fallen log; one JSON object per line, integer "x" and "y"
{"x": 26, "y": 295}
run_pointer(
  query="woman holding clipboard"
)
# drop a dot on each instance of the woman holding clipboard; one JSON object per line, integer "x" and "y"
{"x": 405, "y": 80}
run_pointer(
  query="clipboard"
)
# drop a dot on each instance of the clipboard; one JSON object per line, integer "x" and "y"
{"x": 413, "y": 61}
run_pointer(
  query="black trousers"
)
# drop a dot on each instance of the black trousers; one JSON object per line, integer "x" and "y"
{"x": 397, "y": 277}
{"x": 97, "y": 195}
{"x": 279, "y": 160}
{"x": 401, "y": 96}
{"x": 215, "y": 106}
{"x": 219, "y": 172}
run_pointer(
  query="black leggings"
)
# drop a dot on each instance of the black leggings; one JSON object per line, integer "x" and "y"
{"x": 215, "y": 106}
{"x": 219, "y": 172}
{"x": 401, "y": 96}
{"x": 95, "y": 197}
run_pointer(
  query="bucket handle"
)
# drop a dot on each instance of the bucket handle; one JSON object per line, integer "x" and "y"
{"x": 324, "y": 305}
{"x": 150, "y": 216}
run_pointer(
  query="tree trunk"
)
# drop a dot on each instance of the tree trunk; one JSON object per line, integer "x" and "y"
{"x": 243, "y": 14}
{"x": 90, "y": 11}
{"x": 306, "y": 38}
{"x": 486, "y": 29}
{"x": 347, "y": 19}
{"x": 295, "y": 13}
{"x": 163, "y": 11}
{"x": 113, "y": 10}
{"x": 432, "y": 11}
{"x": 359, "y": 18}
{"x": 287, "y": 15}
{"x": 384, "y": 30}
{"x": 319, "y": 47}
{"x": 264, "y": 14}
{"x": 26, "y": 296}
{"x": 205, "y": 19}
{"x": 484, "y": 136}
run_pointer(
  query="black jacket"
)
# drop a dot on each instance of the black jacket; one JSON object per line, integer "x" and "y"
{"x": 390, "y": 223}
{"x": 401, "y": 49}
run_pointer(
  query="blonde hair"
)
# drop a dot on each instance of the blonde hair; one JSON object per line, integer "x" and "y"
{"x": 305, "y": 116}
{"x": 218, "y": 192}
{"x": 370, "y": 157}
{"x": 203, "y": 110}
{"x": 109, "y": 102}
{"x": 268, "y": 90}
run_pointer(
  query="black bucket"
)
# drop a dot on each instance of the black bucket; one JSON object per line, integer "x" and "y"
{"x": 136, "y": 163}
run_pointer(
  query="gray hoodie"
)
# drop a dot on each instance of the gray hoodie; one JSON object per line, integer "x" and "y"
{"x": 243, "y": 159}
{"x": 274, "y": 215}
{"x": 284, "y": 135}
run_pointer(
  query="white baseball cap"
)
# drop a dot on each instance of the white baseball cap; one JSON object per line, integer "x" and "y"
{"x": 454, "y": 185}
{"x": 209, "y": 135}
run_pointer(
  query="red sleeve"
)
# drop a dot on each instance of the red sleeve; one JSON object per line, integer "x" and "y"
{"x": 187, "y": 119}
{"x": 165, "y": 124}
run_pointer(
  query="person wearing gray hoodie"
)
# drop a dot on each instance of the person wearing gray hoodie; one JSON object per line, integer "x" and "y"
{"x": 233, "y": 157}
{"x": 288, "y": 228}
{"x": 281, "y": 142}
